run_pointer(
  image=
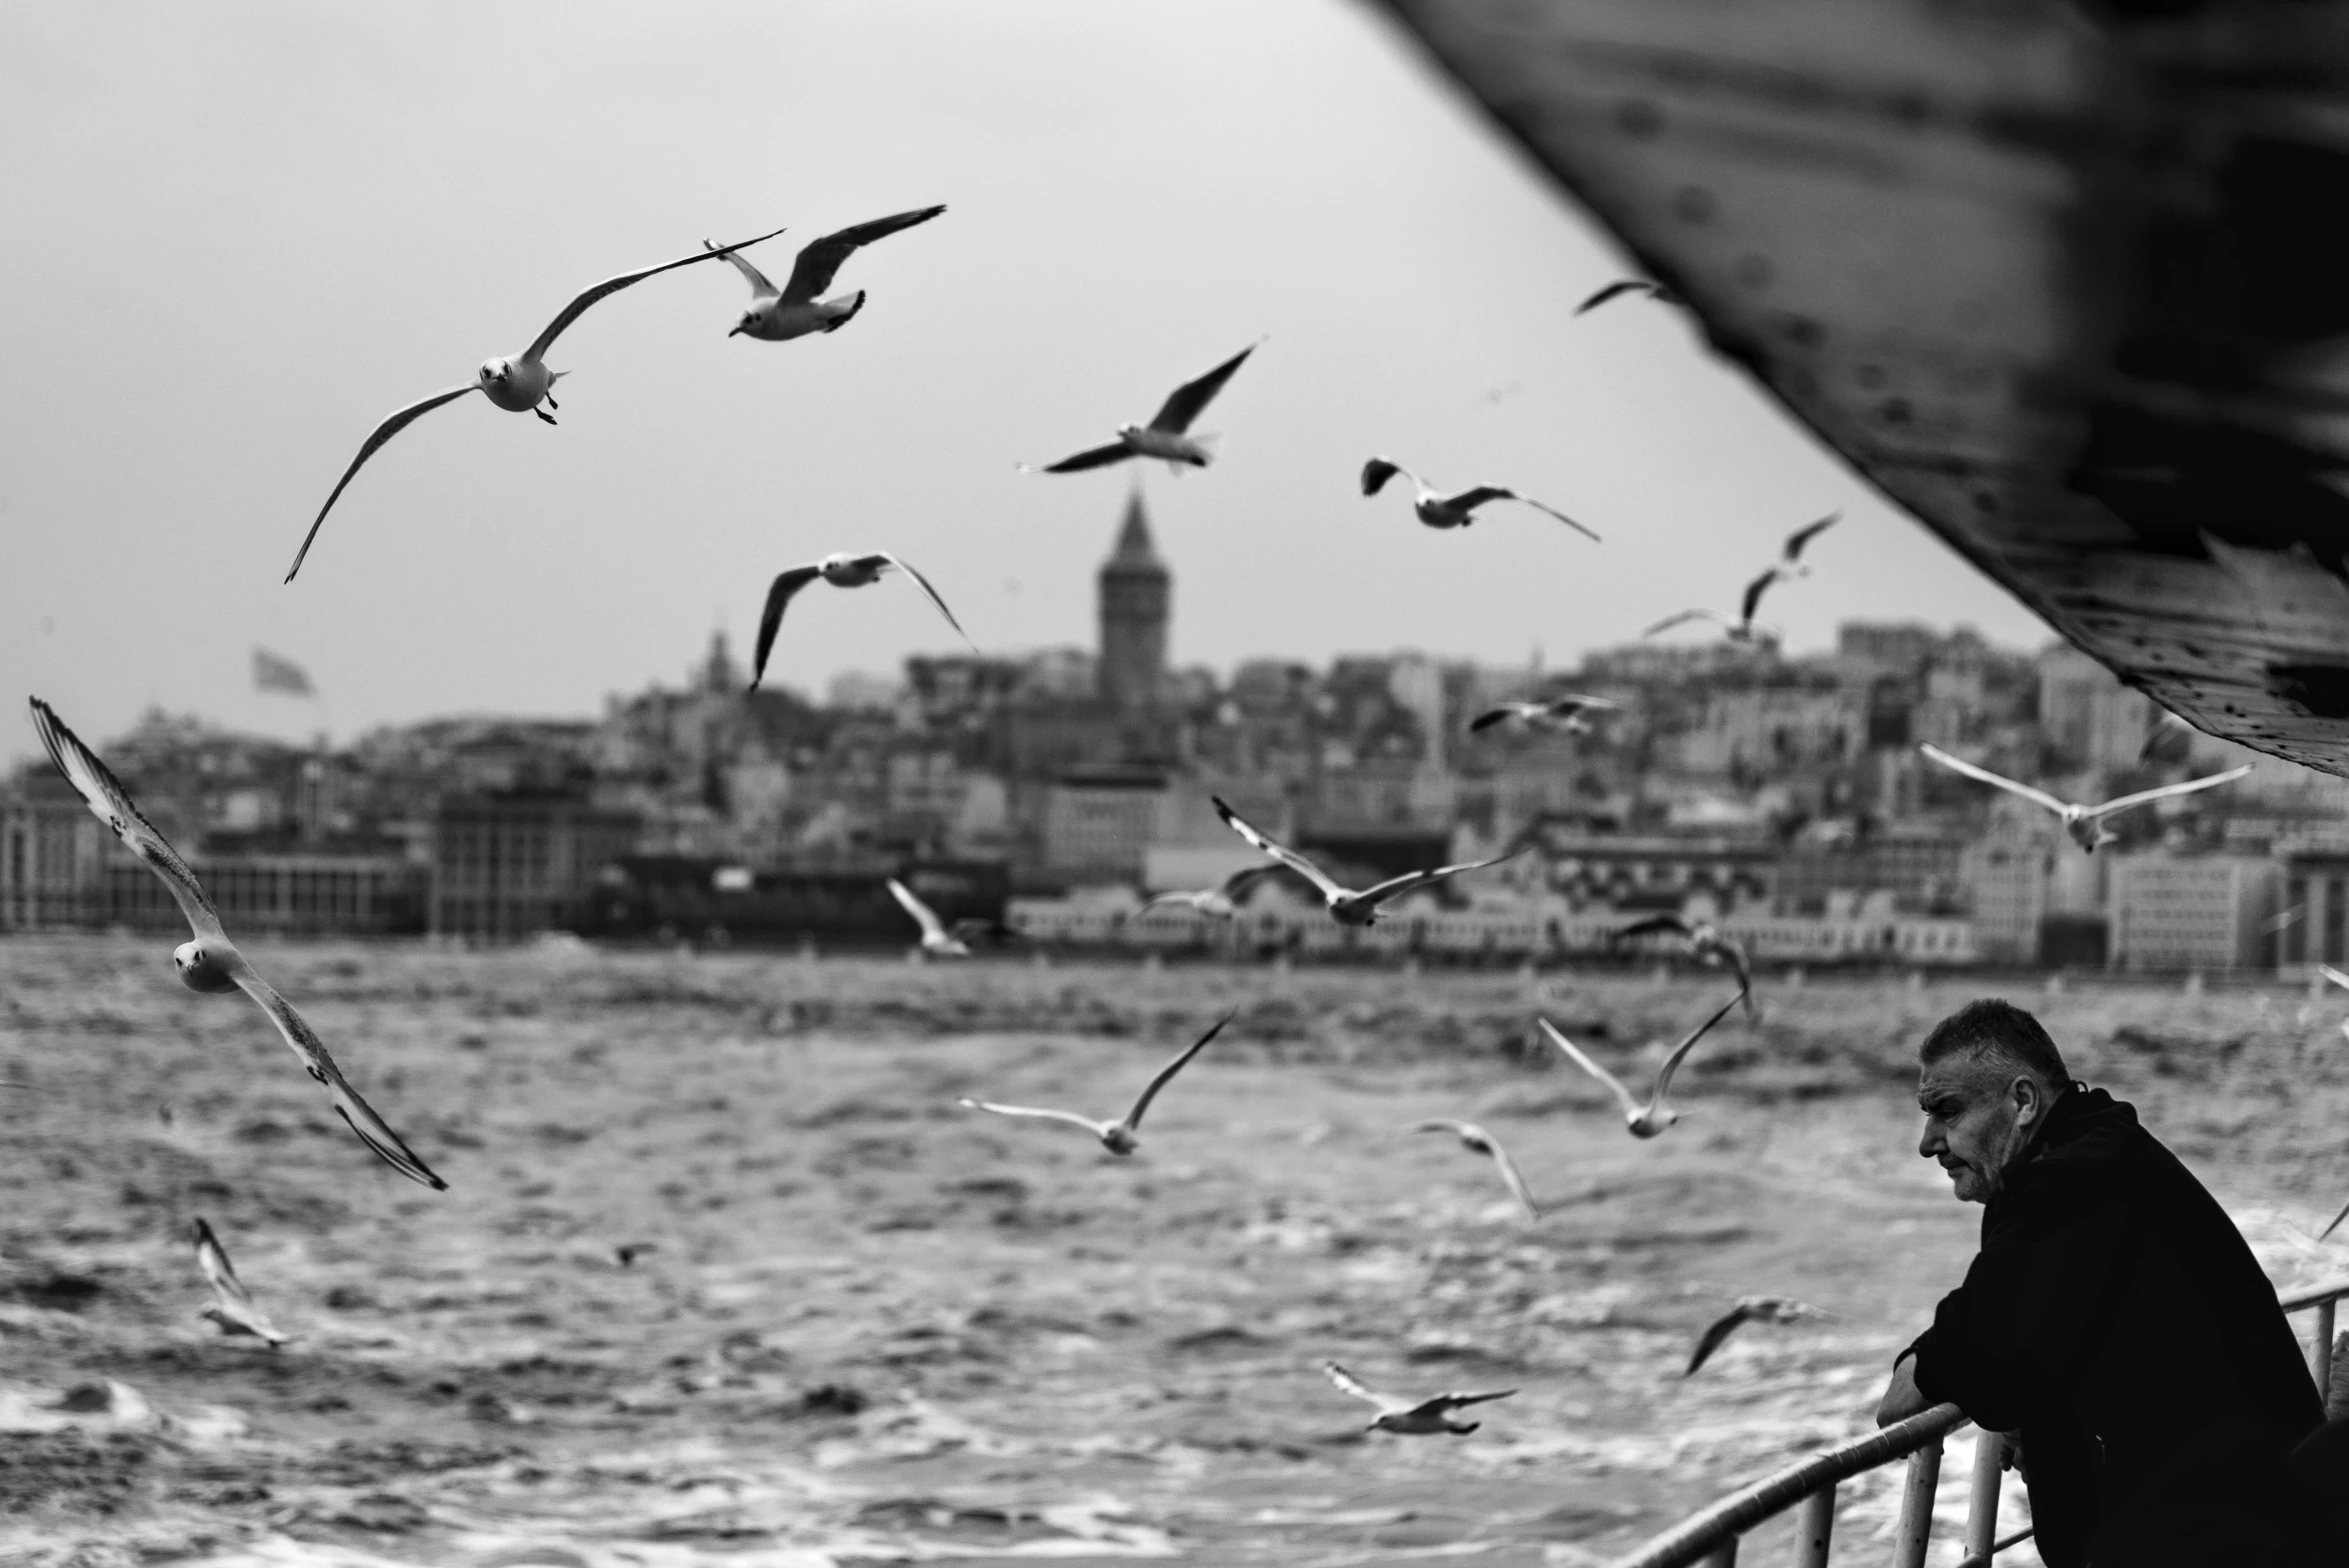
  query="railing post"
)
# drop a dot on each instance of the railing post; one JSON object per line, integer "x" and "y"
{"x": 2320, "y": 1349}
{"x": 1814, "y": 1523}
{"x": 1916, "y": 1507}
{"x": 1982, "y": 1504}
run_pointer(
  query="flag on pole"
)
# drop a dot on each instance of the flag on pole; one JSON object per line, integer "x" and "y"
{"x": 272, "y": 672}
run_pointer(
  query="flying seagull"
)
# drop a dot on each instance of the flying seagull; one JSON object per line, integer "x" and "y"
{"x": 936, "y": 940}
{"x": 1165, "y": 436}
{"x": 1347, "y": 907}
{"x": 1118, "y": 1137}
{"x": 1477, "y": 1141}
{"x": 1743, "y": 628}
{"x": 1622, "y": 286}
{"x": 1705, "y": 942}
{"x": 2084, "y": 823}
{"x": 1651, "y": 1119}
{"x": 211, "y": 962}
{"x": 629, "y": 1251}
{"x": 1563, "y": 713}
{"x": 1439, "y": 510}
{"x": 1749, "y": 1309}
{"x": 232, "y": 1308}
{"x": 1217, "y": 903}
{"x": 793, "y": 311}
{"x": 841, "y": 570}
{"x": 1411, "y": 1418}
{"x": 517, "y": 383}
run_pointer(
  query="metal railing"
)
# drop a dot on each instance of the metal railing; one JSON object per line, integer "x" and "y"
{"x": 1709, "y": 1539}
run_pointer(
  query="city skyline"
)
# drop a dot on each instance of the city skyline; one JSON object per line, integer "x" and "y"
{"x": 1413, "y": 276}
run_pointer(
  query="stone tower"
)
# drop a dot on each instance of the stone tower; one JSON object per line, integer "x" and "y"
{"x": 1135, "y": 591}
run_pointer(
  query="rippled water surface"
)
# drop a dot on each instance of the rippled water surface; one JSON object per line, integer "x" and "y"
{"x": 875, "y": 1327}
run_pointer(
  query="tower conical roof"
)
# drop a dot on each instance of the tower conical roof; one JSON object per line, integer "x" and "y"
{"x": 1134, "y": 551}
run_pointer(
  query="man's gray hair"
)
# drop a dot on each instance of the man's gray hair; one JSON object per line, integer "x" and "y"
{"x": 1998, "y": 1035}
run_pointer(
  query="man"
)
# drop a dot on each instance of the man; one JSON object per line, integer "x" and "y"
{"x": 2113, "y": 1319}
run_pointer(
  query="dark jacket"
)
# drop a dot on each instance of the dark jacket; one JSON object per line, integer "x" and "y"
{"x": 2115, "y": 1318}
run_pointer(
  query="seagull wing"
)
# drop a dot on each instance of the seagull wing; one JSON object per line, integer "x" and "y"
{"x": 392, "y": 426}
{"x": 1753, "y": 595}
{"x": 1718, "y": 1330}
{"x": 812, "y": 273}
{"x": 779, "y": 594}
{"x": 2334, "y": 975}
{"x": 1502, "y": 715}
{"x": 883, "y": 555}
{"x": 1091, "y": 457}
{"x": 1512, "y": 1177}
{"x": 1649, "y": 927}
{"x": 1243, "y": 881}
{"x": 1680, "y": 1051}
{"x": 1457, "y": 1128}
{"x": 1805, "y": 534}
{"x": 2188, "y": 787}
{"x": 1097, "y": 1129}
{"x": 1455, "y": 1401}
{"x": 1280, "y": 852}
{"x": 760, "y": 288}
{"x": 212, "y": 1258}
{"x": 1616, "y": 290}
{"x": 1984, "y": 775}
{"x": 1683, "y": 618}
{"x": 1470, "y": 500}
{"x": 1186, "y": 401}
{"x": 372, "y": 1129}
{"x": 1631, "y": 1106}
{"x": 1379, "y": 470}
{"x": 1156, "y": 899}
{"x": 916, "y": 908}
{"x": 1574, "y": 703}
{"x": 1733, "y": 954}
{"x": 572, "y": 312}
{"x": 1396, "y": 887}
{"x": 111, "y": 804}
{"x": 1348, "y": 1383}
{"x": 2337, "y": 1219}
{"x": 1150, "y": 1091}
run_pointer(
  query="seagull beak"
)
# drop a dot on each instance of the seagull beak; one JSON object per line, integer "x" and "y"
{"x": 736, "y": 331}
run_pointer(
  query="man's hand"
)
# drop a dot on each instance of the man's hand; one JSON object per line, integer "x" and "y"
{"x": 1902, "y": 1398}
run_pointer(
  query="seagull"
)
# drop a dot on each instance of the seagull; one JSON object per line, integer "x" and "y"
{"x": 1652, "y": 1119}
{"x": 2161, "y": 736}
{"x": 841, "y": 570}
{"x": 1409, "y": 1418}
{"x": 1438, "y": 510}
{"x": 2084, "y": 823}
{"x": 793, "y": 311}
{"x": 1564, "y": 713}
{"x": 629, "y": 1251}
{"x": 936, "y": 941}
{"x": 233, "y": 1308}
{"x": 517, "y": 383}
{"x": 2341, "y": 980}
{"x": 1706, "y": 944}
{"x": 1118, "y": 1137}
{"x": 1749, "y": 1309}
{"x": 1622, "y": 286}
{"x": 1217, "y": 903}
{"x": 1477, "y": 1141}
{"x": 1743, "y": 628}
{"x": 211, "y": 962}
{"x": 1164, "y": 437}
{"x": 1790, "y": 556}
{"x": 1347, "y": 907}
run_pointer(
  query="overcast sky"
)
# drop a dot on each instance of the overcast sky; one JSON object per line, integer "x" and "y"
{"x": 240, "y": 234}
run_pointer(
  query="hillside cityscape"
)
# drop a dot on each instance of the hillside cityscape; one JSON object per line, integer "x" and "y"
{"x": 1783, "y": 797}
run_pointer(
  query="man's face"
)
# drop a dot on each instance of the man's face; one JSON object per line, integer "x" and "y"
{"x": 1975, "y": 1119}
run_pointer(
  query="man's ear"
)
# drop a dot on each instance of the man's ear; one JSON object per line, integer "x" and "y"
{"x": 2030, "y": 1100}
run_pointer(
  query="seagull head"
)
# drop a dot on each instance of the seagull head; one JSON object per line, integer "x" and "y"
{"x": 1120, "y": 1140}
{"x": 749, "y": 323}
{"x": 200, "y": 969}
{"x": 1128, "y": 431}
{"x": 495, "y": 372}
